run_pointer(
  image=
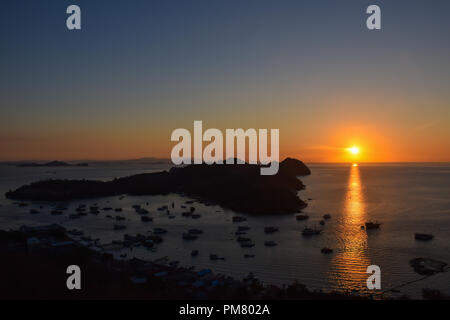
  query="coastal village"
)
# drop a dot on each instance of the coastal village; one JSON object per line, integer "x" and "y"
{"x": 51, "y": 247}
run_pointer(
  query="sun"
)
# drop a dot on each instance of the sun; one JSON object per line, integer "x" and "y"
{"x": 353, "y": 150}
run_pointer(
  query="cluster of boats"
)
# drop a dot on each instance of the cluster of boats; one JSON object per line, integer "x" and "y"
{"x": 308, "y": 231}
{"x": 189, "y": 211}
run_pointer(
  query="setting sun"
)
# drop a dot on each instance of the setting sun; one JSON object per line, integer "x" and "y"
{"x": 353, "y": 150}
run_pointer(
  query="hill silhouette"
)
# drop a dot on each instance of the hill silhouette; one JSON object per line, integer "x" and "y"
{"x": 52, "y": 164}
{"x": 239, "y": 187}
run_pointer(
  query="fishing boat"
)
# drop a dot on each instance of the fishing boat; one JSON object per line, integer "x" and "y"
{"x": 326, "y": 250}
{"x": 146, "y": 219}
{"x": 189, "y": 236}
{"x": 270, "y": 229}
{"x": 155, "y": 238}
{"x": 238, "y": 219}
{"x": 159, "y": 231}
{"x": 423, "y": 236}
{"x": 311, "y": 232}
{"x": 250, "y": 277}
{"x": 195, "y": 231}
{"x": 247, "y": 244}
{"x": 372, "y": 225}
{"x": 142, "y": 211}
{"x": 92, "y": 211}
{"x": 214, "y": 257}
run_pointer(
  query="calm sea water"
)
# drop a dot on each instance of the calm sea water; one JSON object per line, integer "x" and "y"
{"x": 405, "y": 198}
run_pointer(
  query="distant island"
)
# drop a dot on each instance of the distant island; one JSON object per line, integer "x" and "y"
{"x": 239, "y": 187}
{"x": 52, "y": 164}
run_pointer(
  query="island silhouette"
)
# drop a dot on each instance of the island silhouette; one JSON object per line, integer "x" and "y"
{"x": 238, "y": 187}
{"x": 52, "y": 164}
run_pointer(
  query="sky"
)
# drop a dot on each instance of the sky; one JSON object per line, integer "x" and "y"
{"x": 137, "y": 70}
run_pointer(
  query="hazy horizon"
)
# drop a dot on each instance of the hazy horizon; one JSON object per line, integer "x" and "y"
{"x": 169, "y": 160}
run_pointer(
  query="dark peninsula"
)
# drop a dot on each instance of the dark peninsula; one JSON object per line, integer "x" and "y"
{"x": 239, "y": 187}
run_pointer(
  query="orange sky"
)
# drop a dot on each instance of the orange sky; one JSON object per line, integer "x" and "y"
{"x": 326, "y": 83}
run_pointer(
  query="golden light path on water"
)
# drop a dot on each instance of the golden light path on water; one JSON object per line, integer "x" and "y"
{"x": 351, "y": 260}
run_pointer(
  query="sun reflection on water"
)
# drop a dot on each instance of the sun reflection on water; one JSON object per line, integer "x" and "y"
{"x": 351, "y": 260}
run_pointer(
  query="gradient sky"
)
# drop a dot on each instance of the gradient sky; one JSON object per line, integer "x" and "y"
{"x": 140, "y": 69}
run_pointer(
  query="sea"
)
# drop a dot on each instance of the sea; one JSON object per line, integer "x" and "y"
{"x": 404, "y": 198}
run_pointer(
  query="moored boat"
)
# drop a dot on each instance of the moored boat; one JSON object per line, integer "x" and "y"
{"x": 146, "y": 219}
{"x": 238, "y": 219}
{"x": 310, "y": 232}
{"x": 159, "y": 231}
{"x": 194, "y": 253}
{"x": 423, "y": 236}
{"x": 270, "y": 229}
{"x": 189, "y": 236}
{"x": 243, "y": 239}
{"x": 326, "y": 250}
{"x": 372, "y": 225}
{"x": 270, "y": 243}
{"x": 195, "y": 231}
